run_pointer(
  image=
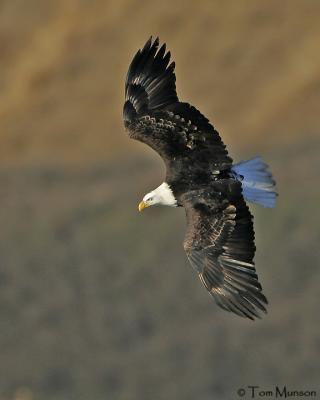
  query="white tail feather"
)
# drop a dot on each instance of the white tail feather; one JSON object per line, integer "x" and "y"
{"x": 258, "y": 185}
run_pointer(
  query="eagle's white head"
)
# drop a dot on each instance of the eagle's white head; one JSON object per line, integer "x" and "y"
{"x": 162, "y": 195}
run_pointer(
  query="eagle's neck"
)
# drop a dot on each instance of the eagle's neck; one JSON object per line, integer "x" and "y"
{"x": 165, "y": 195}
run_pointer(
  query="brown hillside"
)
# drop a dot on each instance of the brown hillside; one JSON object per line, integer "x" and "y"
{"x": 252, "y": 67}
{"x": 97, "y": 300}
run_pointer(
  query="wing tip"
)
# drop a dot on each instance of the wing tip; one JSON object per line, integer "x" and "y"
{"x": 150, "y": 81}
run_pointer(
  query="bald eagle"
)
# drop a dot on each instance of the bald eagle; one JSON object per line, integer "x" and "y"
{"x": 201, "y": 177}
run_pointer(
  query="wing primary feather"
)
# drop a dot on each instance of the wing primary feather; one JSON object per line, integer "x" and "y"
{"x": 150, "y": 83}
{"x": 219, "y": 238}
{"x": 220, "y": 246}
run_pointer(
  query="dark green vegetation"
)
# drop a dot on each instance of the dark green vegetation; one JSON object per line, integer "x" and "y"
{"x": 99, "y": 302}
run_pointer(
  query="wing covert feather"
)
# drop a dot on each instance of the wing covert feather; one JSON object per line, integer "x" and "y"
{"x": 220, "y": 246}
{"x": 153, "y": 114}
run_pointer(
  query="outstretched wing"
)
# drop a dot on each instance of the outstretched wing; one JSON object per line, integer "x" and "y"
{"x": 153, "y": 114}
{"x": 220, "y": 246}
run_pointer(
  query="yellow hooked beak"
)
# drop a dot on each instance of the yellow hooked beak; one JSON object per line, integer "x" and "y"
{"x": 143, "y": 205}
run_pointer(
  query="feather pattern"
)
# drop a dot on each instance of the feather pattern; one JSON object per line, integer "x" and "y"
{"x": 189, "y": 145}
{"x": 219, "y": 240}
{"x": 220, "y": 246}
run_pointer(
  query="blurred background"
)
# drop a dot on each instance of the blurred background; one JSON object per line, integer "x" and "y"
{"x": 99, "y": 302}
